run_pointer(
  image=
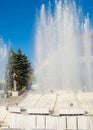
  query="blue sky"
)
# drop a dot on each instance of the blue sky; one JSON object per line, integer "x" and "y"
{"x": 17, "y": 21}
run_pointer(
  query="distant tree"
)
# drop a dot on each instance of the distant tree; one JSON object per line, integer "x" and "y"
{"x": 10, "y": 70}
{"x": 21, "y": 67}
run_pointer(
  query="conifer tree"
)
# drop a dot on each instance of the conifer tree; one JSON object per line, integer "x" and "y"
{"x": 10, "y": 70}
{"x": 19, "y": 65}
{"x": 22, "y": 69}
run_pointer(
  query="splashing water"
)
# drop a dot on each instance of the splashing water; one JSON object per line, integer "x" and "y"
{"x": 3, "y": 59}
{"x": 63, "y": 49}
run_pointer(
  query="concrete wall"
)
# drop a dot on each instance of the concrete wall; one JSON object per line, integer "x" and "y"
{"x": 30, "y": 122}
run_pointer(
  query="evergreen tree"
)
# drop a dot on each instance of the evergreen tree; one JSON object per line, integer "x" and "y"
{"x": 10, "y": 70}
{"x": 22, "y": 70}
{"x": 21, "y": 67}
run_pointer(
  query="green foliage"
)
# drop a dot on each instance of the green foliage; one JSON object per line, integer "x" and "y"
{"x": 18, "y": 64}
{"x": 10, "y": 70}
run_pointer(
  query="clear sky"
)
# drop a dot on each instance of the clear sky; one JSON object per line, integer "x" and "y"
{"x": 17, "y": 21}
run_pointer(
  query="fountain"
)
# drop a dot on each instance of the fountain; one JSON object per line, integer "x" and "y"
{"x": 3, "y": 61}
{"x": 63, "y": 49}
{"x": 63, "y": 62}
